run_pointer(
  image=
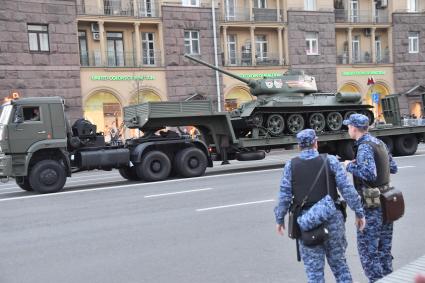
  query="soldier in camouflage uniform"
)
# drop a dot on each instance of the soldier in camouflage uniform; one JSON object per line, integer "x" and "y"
{"x": 374, "y": 243}
{"x": 334, "y": 247}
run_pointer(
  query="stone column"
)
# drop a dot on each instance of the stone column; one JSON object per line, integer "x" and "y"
{"x": 350, "y": 46}
{"x": 102, "y": 41}
{"x": 136, "y": 10}
{"x": 390, "y": 44}
{"x": 253, "y": 51}
{"x": 226, "y": 52}
{"x": 372, "y": 43}
{"x": 161, "y": 37}
{"x": 251, "y": 12}
{"x": 286, "y": 46}
{"x": 279, "y": 41}
{"x": 138, "y": 44}
{"x": 278, "y": 10}
{"x": 100, "y": 8}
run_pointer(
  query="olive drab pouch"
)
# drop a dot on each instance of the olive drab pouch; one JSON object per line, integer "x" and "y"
{"x": 371, "y": 197}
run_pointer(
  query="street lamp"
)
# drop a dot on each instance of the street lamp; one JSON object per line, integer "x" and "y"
{"x": 217, "y": 80}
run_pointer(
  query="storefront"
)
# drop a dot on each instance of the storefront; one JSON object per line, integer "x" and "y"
{"x": 105, "y": 93}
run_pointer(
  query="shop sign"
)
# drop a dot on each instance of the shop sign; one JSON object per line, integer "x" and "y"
{"x": 260, "y": 76}
{"x": 121, "y": 78}
{"x": 363, "y": 73}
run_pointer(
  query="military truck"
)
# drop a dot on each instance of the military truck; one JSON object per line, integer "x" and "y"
{"x": 41, "y": 150}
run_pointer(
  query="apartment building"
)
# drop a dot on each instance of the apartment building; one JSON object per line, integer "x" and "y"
{"x": 39, "y": 51}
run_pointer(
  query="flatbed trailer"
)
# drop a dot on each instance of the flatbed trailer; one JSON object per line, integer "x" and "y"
{"x": 217, "y": 131}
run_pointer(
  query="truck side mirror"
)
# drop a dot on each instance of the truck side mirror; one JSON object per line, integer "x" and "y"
{"x": 19, "y": 116}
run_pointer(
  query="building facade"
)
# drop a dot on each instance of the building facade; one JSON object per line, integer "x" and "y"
{"x": 39, "y": 51}
{"x": 102, "y": 55}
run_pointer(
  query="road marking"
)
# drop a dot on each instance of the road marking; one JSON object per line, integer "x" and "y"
{"x": 408, "y": 166}
{"x": 138, "y": 185}
{"x": 409, "y": 156}
{"x": 175, "y": 193}
{"x": 233, "y": 205}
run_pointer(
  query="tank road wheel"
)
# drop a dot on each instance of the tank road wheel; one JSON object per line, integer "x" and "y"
{"x": 190, "y": 162}
{"x": 24, "y": 183}
{"x": 317, "y": 122}
{"x": 258, "y": 120}
{"x": 334, "y": 121}
{"x": 129, "y": 173}
{"x": 47, "y": 176}
{"x": 295, "y": 123}
{"x": 348, "y": 114}
{"x": 275, "y": 124}
{"x": 155, "y": 166}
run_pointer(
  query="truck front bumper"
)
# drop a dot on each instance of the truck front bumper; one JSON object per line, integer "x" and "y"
{"x": 5, "y": 166}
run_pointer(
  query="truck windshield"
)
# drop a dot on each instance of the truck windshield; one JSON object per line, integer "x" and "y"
{"x": 5, "y": 114}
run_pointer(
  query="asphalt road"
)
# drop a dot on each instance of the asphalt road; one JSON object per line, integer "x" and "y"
{"x": 216, "y": 228}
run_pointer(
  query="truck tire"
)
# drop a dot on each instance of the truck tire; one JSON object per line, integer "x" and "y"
{"x": 23, "y": 183}
{"x": 190, "y": 162}
{"x": 47, "y": 176}
{"x": 345, "y": 149}
{"x": 155, "y": 166}
{"x": 389, "y": 142}
{"x": 251, "y": 155}
{"x": 129, "y": 173}
{"x": 405, "y": 145}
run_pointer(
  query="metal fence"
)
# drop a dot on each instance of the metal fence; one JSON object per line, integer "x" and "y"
{"x": 122, "y": 8}
{"x": 150, "y": 58}
{"x": 361, "y": 16}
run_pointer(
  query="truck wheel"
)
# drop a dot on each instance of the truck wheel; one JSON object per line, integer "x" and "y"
{"x": 389, "y": 142}
{"x": 47, "y": 176}
{"x": 23, "y": 183}
{"x": 190, "y": 162}
{"x": 251, "y": 155}
{"x": 405, "y": 145}
{"x": 129, "y": 173}
{"x": 345, "y": 149}
{"x": 155, "y": 166}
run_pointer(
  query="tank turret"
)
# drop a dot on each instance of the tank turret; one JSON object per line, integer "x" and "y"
{"x": 291, "y": 102}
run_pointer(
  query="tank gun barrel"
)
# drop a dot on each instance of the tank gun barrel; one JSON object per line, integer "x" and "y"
{"x": 248, "y": 82}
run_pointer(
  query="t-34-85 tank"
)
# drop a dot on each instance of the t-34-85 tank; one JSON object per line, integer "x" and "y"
{"x": 291, "y": 102}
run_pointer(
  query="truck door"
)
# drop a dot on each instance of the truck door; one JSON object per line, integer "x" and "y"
{"x": 34, "y": 126}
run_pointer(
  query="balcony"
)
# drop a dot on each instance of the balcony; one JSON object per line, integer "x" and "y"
{"x": 150, "y": 58}
{"x": 120, "y": 8}
{"x": 366, "y": 58}
{"x": 244, "y": 59}
{"x": 241, "y": 14}
{"x": 361, "y": 16}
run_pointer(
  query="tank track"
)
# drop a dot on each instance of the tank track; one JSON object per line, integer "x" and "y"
{"x": 280, "y": 123}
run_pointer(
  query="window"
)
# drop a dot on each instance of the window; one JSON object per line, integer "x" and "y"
{"x": 261, "y": 47}
{"x": 84, "y": 56}
{"x": 354, "y": 16}
{"x": 38, "y": 37}
{"x": 31, "y": 113}
{"x": 378, "y": 48}
{"x": 356, "y": 49}
{"x": 412, "y": 5}
{"x": 312, "y": 43}
{"x": 192, "y": 3}
{"x": 148, "y": 47}
{"x": 310, "y": 5}
{"x": 115, "y": 49}
{"x": 191, "y": 42}
{"x": 260, "y": 4}
{"x": 230, "y": 10}
{"x": 413, "y": 42}
{"x": 231, "y": 47}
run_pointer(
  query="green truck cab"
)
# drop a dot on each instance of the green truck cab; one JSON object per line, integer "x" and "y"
{"x": 33, "y": 143}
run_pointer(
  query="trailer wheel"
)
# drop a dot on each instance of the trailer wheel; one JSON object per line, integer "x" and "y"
{"x": 24, "y": 183}
{"x": 47, "y": 176}
{"x": 129, "y": 173}
{"x": 389, "y": 142}
{"x": 190, "y": 162}
{"x": 345, "y": 149}
{"x": 405, "y": 145}
{"x": 155, "y": 166}
{"x": 250, "y": 155}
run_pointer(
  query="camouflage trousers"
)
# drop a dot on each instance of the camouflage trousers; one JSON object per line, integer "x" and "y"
{"x": 374, "y": 245}
{"x": 334, "y": 251}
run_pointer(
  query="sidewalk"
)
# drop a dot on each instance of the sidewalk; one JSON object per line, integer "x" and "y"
{"x": 406, "y": 273}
